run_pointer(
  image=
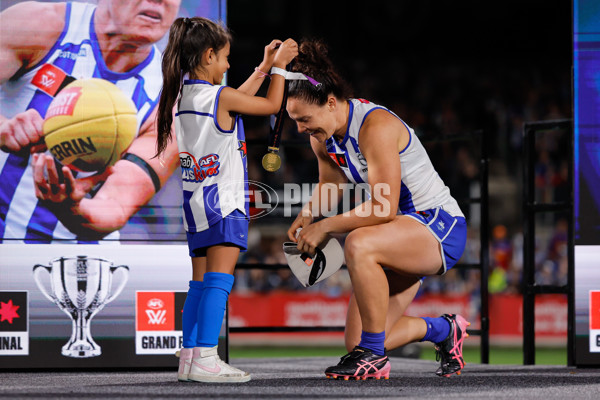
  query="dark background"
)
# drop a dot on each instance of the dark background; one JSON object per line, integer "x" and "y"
{"x": 445, "y": 67}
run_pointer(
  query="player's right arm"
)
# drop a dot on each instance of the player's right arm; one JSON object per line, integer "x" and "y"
{"x": 327, "y": 193}
{"x": 28, "y": 31}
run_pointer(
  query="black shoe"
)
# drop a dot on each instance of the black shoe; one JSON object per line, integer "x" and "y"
{"x": 449, "y": 351}
{"x": 360, "y": 363}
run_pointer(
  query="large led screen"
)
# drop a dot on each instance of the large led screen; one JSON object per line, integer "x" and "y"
{"x": 586, "y": 84}
{"x": 93, "y": 261}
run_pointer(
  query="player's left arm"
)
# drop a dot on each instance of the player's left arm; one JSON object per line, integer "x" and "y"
{"x": 380, "y": 140}
{"x": 128, "y": 185}
{"x": 135, "y": 180}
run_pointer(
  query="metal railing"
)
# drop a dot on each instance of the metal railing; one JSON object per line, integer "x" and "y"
{"x": 530, "y": 209}
{"x": 482, "y": 265}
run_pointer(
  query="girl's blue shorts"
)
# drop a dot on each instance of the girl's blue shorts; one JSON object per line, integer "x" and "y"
{"x": 233, "y": 229}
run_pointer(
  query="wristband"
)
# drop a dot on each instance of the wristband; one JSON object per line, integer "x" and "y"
{"x": 279, "y": 71}
{"x": 262, "y": 74}
{"x": 295, "y": 76}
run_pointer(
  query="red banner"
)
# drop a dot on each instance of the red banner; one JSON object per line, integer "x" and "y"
{"x": 315, "y": 309}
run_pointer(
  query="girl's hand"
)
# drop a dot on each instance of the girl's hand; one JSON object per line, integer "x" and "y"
{"x": 286, "y": 53}
{"x": 270, "y": 51}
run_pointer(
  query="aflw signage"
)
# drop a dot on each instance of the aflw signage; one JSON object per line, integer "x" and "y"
{"x": 158, "y": 322}
{"x": 14, "y": 323}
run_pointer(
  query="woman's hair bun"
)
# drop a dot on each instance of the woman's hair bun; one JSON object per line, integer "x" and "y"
{"x": 313, "y": 62}
{"x": 312, "y": 56}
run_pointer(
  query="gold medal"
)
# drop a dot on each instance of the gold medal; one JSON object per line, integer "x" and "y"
{"x": 271, "y": 162}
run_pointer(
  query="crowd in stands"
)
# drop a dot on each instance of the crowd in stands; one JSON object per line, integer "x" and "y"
{"x": 449, "y": 107}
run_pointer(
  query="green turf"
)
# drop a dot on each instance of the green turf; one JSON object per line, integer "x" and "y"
{"x": 508, "y": 355}
{"x": 498, "y": 355}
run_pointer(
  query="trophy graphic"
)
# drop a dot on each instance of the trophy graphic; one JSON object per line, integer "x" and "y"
{"x": 81, "y": 286}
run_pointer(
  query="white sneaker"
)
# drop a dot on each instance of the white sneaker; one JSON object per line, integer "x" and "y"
{"x": 185, "y": 364}
{"x": 208, "y": 367}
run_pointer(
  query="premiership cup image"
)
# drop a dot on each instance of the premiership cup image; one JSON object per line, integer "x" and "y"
{"x": 81, "y": 286}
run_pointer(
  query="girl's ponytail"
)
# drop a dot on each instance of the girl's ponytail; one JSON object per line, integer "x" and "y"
{"x": 172, "y": 75}
{"x": 189, "y": 38}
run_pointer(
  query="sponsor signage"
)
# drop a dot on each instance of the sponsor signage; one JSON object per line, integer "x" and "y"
{"x": 158, "y": 322}
{"x": 14, "y": 323}
{"x": 595, "y": 321}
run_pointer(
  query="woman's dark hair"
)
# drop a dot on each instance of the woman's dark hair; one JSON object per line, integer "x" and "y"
{"x": 189, "y": 38}
{"x": 313, "y": 61}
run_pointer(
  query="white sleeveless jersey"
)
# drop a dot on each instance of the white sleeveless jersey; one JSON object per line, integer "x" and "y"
{"x": 76, "y": 53}
{"x": 421, "y": 186}
{"x": 213, "y": 159}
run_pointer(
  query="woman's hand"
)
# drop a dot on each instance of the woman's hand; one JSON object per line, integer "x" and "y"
{"x": 303, "y": 219}
{"x": 311, "y": 236}
{"x": 287, "y": 51}
{"x": 21, "y": 131}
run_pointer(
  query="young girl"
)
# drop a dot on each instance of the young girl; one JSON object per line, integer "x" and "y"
{"x": 212, "y": 151}
{"x": 410, "y": 228}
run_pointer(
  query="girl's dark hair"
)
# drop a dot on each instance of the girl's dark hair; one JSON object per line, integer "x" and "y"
{"x": 189, "y": 38}
{"x": 312, "y": 61}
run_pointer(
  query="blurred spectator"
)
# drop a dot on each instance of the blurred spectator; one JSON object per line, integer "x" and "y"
{"x": 501, "y": 248}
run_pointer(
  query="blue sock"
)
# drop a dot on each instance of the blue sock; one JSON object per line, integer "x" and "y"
{"x": 211, "y": 309}
{"x": 373, "y": 342}
{"x": 190, "y": 314}
{"x": 438, "y": 329}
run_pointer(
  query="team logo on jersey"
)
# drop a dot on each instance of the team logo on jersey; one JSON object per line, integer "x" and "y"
{"x": 158, "y": 322}
{"x": 340, "y": 159}
{"x": 361, "y": 159}
{"x": 14, "y": 323}
{"x": 242, "y": 148}
{"x": 50, "y": 79}
{"x": 198, "y": 171}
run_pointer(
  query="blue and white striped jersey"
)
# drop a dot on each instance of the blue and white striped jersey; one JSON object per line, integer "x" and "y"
{"x": 76, "y": 53}
{"x": 213, "y": 159}
{"x": 421, "y": 186}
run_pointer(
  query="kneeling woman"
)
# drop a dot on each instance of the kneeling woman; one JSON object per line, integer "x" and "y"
{"x": 411, "y": 226}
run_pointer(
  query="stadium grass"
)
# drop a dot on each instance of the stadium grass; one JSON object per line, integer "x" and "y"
{"x": 498, "y": 355}
{"x": 508, "y": 355}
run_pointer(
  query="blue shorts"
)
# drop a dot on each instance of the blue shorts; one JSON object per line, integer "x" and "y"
{"x": 233, "y": 229}
{"x": 450, "y": 231}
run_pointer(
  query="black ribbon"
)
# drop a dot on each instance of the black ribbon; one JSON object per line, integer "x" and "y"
{"x": 277, "y": 121}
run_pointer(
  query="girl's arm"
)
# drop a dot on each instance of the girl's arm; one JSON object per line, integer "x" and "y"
{"x": 256, "y": 79}
{"x": 235, "y": 101}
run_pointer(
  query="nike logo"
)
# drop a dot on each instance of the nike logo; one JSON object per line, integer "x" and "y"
{"x": 215, "y": 370}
